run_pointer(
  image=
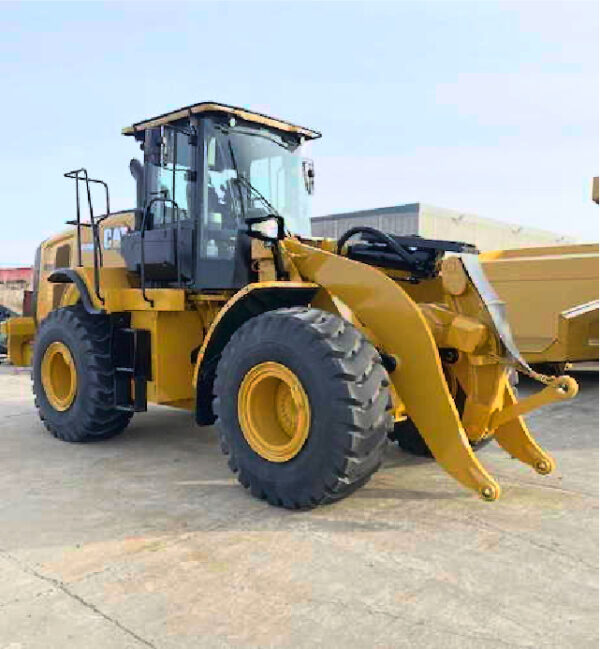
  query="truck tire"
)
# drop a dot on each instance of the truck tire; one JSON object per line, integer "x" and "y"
{"x": 73, "y": 377}
{"x": 302, "y": 405}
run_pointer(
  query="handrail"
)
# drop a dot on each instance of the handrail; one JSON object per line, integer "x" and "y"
{"x": 82, "y": 174}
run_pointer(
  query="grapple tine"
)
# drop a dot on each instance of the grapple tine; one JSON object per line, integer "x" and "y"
{"x": 514, "y": 437}
{"x": 450, "y": 447}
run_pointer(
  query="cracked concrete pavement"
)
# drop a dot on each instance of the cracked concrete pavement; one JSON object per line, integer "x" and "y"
{"x": 146, "y": 540}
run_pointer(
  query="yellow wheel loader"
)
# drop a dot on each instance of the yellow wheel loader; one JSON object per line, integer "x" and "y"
{"x": 308, "y": 353}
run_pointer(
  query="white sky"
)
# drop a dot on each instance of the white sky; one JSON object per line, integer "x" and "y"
{"x": 484, "y": 107}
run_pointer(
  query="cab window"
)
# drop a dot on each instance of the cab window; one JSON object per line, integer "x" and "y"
{"x": 170, "y": 175}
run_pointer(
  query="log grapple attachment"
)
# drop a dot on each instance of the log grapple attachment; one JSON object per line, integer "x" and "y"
{"x": 446, "y": 331}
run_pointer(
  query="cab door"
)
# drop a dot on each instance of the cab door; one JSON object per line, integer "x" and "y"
{"x": 170, "y": 177}
{"x": 223, "y": 259}
{"x": 170, "y": 173}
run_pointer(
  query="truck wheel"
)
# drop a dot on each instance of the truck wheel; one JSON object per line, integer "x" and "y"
{"x": 409, "y": 439}
{"x": 73, "y": 377}
{"x": 302, "y": 406}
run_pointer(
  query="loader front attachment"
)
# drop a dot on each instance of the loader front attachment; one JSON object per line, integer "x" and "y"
{"x": 416, "y": 336}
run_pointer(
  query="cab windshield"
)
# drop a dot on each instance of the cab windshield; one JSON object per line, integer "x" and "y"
{"x": 271, "y": 166}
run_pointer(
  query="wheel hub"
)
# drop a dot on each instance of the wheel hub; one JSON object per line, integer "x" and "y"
{"x": 273, "y": 411}
{"x": 59, "y": 376}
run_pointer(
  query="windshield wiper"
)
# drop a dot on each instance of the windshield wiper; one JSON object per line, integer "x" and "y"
{"x": 244, "y": 181}
{"x": 282, "y": 143}
{"x": 288, "y": 146}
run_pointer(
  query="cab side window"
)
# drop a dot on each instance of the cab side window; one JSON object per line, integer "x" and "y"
{"x": 170, "y": 174}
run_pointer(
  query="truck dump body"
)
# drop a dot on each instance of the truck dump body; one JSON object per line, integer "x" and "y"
{"x": 551, "y": 296}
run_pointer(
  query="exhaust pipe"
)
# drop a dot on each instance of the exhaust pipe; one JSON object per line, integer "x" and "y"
{"x": 137, "y": 171}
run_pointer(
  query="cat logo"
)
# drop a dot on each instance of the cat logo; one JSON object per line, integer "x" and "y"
{"x": 112, "y": 237}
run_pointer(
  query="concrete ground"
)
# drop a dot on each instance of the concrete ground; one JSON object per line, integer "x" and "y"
{"x": 146, "y": 540}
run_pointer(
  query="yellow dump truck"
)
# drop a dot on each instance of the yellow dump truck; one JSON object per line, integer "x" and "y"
{"x": 211, "y": 296}
{"x": 551, "y": 296}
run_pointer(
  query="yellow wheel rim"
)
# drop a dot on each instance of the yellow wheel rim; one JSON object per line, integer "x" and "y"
{"x": 59, "y": 376}
{"x": 273, "y": 411}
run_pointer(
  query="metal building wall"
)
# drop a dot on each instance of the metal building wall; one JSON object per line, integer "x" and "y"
{"x": 439, "y": 223}
{"x": 402, "y": 219}
{"x": 486, "y": 234}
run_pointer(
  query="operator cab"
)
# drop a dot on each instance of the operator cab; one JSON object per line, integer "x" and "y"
{"x": 209, "y": 171}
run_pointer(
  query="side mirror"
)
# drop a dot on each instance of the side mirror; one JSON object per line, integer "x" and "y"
{"x": 308, "y": 173}
{"x": 266, "y": 228}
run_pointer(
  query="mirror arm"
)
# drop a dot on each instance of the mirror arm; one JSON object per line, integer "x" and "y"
{"x": 280, "y": 271}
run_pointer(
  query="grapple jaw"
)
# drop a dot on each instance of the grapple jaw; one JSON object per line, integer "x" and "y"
{"x": 483, "y": 373}
{"x": 459, "y": 341}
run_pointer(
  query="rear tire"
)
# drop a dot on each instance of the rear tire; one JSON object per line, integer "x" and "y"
{"x": 340, "y": 373}
{"x": 89, "y": 413}
{"x": 409, "y": 439}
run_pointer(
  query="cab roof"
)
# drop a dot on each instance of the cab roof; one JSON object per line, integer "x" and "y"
{"x": 214, "y": 107}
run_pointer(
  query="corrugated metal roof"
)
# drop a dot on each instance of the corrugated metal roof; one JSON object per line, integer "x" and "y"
{"x": 439, "y": 223}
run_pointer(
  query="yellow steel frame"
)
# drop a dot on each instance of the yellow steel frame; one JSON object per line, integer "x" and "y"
{"x": 174, "y": 336}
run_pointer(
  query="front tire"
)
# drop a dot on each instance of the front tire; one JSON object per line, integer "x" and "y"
{"x": 73, "y": 377}
{"x": 302, "y": 406}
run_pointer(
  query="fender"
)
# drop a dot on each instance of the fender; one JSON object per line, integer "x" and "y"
{"x": 250, "y": 301}
{"x": 71, "y": 276}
